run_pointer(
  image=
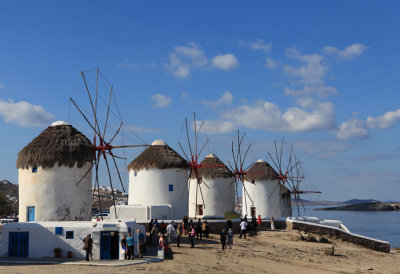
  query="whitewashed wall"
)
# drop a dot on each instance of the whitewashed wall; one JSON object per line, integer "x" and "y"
{"x": 266, "y": 196}
{"x": 151, "y": 187}
{"x": 42, "y": 239}
{"x": 217, "y": 200}
{"x": 54, "y": 193}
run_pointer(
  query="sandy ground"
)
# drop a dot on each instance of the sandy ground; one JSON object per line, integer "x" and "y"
{"x": 266, "y": 252}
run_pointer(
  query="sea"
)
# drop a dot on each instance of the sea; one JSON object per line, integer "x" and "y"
{"x": 381, "y": 225}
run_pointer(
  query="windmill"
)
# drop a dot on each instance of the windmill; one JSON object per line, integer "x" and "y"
{"x": 100, "y": 126}
{"x": 290, "y": 174}
{"x": 237, "y": 168}
{"x": 193, "y": 156}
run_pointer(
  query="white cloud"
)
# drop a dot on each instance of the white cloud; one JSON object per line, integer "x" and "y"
{"x": 311, "y": 72}
{"x": 160, "y": 100}
{"x": 225, "y": 99}
{"x": 270, "y": 63}
{"x": 349, "y": 52}
{"x": 225, "y": 62}
{"x": 25, "y": 114}
{"x": 268, "y": 116}
{"x": 352, "y": 129}
{"x": 258, "y": 44}
{"x": 384, "y": 121}
{"x": 184, "y": 59}
{"x": 217, "y": 127}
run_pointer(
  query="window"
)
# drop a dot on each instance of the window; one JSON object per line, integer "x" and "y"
{"x": 58, "y": 230}
{"x": 34, "y": 169}
{"x": 135, "y": 173}
{"x": 171, "y": 187}
{"x": 200, "y": 210}
{"x": 69, "y": 235}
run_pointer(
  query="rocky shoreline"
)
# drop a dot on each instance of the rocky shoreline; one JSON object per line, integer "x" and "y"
{"x": 372, "y": 206}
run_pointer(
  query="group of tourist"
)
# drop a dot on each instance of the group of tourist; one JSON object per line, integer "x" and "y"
{"x": 186, "y": 227}
{"x": 194, "y": 229}
{"x": 128, "y": 243}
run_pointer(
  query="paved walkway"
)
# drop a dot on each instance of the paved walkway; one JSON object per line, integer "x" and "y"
{"x": 79, "y": 262}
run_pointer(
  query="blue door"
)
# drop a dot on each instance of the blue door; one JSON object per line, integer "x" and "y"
{"x": 109, "y": 245}
{"x": 31, "y": 214}
{"x": 105, "y": 245}
{"x": 18, "y": 244}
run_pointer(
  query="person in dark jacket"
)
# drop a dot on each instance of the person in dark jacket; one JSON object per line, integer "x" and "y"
{"x": 222, "y": 238}
{"x": 88, "y": 245}
{"x": 199, "y": 230}
{"x": 229, "y": 223}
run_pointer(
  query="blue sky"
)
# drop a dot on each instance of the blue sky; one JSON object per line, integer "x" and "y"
{"x": 324, "y": 74}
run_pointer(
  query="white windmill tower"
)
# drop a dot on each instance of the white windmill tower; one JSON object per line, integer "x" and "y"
{"x": 49, "y": 168}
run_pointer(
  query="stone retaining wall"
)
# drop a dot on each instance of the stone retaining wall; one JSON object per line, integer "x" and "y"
{"x": 374, "y": 244}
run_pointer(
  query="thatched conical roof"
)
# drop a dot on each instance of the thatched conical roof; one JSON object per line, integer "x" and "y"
{"x": 159, "y": 155}
{"x": 261, "y": 171}
{"x": 213, "y": 171}
{"x": 60, "y": 143}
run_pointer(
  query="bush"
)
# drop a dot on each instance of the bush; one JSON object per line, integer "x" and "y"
{"x": 231, "y": 215}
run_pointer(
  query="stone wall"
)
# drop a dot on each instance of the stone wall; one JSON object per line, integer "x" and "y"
{"x": 374, "y": 244}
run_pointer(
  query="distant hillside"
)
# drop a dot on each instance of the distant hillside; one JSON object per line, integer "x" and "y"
{"x": 11, "y": 192}
{"x": 371, "y": 206}
{"x": 359, "y": 201}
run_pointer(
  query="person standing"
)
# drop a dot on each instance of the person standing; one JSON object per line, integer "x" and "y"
{"x": 124, "y": 246}
{"x": 178, "y": 235}
{"x": 205, "y": 229}
{"x": 222, "y": 238}
{"x": 230, "y": 238}
{"x": 185, "y": 225}
{"x": 150, "y": 227}
{"x": 140, "y": 243}
{"x": 272, "y": 223}
{"x": 259, "y": 221}
{"x": 129, "y": 245}
{"x": 243, "y": 229}
{"x": 199, "y": 230}
{"x": 254, "y": 223}
{"x": 154, "y": 233}
{"x": 192, "y": 234}
{"x": 170, "y": 232}
{"x": 229, "y": 223}
{"x": 88, "y": 245}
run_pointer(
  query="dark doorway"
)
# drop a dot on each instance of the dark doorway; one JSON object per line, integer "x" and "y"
{"x": 253, "y": 211}
{"x": 18, "y": 244}
{"x": 109, "y": 245}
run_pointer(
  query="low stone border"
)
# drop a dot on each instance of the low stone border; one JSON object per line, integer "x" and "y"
{"x": 378, "y": 245}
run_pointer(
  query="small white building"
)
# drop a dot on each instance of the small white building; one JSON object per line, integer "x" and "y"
{"x": 55, "y": 177}
{"x": 216, "y": 191}
{"x": 263, "y": 191}
{"x": 157, "y": 181}
{"x": 39, "y": 239}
